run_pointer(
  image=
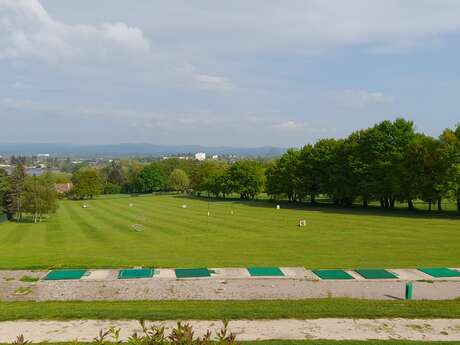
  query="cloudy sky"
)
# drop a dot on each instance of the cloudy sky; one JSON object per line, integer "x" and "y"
{"x": 238, "y": 73}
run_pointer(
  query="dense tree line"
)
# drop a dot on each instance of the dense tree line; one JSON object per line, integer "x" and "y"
{"x": 388, "y": 162}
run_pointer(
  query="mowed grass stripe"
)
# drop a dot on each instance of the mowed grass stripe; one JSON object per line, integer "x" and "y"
{"x": 87, "y": 228}
{"x": 55, "y": 235}
{"x": 240, "y": 221}
{"x": 17, "y": 233}
{"x": 101, "y": 236}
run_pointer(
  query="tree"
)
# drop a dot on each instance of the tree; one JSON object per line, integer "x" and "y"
{"x": 220, "y": 182}
{"x": 151, "y": 178}
{"x": 114, "y": 178}
{"x": 170, "y": 164}
{"x": 15, "y": 195}
{"x": 87, "y": 183}
{"x": 131, "y": 169}
{"x": 453, "y": 184}
{"x": 282, "y": 178}
{"x": 247, "y": 178}
{"x": 428, "y": 167}
{"x": 200, "y": 178}
{"x": 178, "y": 180}
{"x": 309, "y": 183}
{"x": 450, "y": 148}
{"x": 40, "y": 197}
{"x": 4, "y": 190}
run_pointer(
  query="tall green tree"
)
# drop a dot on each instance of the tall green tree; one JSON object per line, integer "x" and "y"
{"x": 87, "y": 183}
{"x": 202, "y": 175}
{"x": 40, "y": 197}
{"x": 308, "y": 176}
{"x": 247, "y": 178}
{"x": 15, "y": 197}
{"x": 4, "y": 190}
{"x": 453, "y": 184}
{"x": 150, "y": 179}
{"x": 178, "y": 180}
{"x": 281, "y": 176}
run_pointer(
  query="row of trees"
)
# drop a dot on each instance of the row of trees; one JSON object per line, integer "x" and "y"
{"x": 21, "y": 194}
{"x": 389, "y": 162}
{"x": 217, "y": 178}
{"x": 127, "y": 177}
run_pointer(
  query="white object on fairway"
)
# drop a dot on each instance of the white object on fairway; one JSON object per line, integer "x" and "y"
{"x": 209, "y": 213}
{"x": 278, "y": 207}
{"x": 302, "y": 223}
{"x": 232, "y": 213}
{"x": 137, "y": 227}
{"x": 184, "y": 206}
{"x": 131, "y": 205}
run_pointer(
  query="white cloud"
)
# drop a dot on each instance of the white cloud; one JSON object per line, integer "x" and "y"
{"x": 361, "y": 99}
{"x": 29, "y": 32}
{"x": 110, "y": 48}
{"x": 305, "y": 26}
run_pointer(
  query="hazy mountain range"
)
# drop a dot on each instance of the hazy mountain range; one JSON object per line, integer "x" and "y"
{"x": 116, "y": 150}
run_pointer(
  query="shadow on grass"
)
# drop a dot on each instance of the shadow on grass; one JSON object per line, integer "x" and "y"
{"x": 371, "y": 210}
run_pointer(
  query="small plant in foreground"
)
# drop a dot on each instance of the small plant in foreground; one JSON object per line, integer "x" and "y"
{"x": 20, "y": 340}
{"x": 182, "y": 334}
{"x": 29, "y": 279}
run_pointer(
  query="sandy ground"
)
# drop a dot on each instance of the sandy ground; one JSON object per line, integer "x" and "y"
{"x": 333, "y": 329}
{"x": 228, "y": 284}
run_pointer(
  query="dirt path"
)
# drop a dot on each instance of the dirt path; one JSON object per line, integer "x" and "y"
{"x": 160, "y": 287}
{"x": 332, "y": 329}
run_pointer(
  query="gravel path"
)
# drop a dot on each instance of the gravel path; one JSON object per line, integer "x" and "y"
{"x": 102, "y": 285}
{"x": 332, "y": 329}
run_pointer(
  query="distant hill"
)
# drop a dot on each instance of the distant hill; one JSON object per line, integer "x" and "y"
{"x": 120, "y": 150}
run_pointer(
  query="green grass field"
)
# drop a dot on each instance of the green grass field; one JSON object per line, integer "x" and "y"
{"x": 255, "y": 235}
{"x": 229, "y": 310}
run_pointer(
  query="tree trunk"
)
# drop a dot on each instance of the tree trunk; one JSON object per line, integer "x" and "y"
{"x": 439, "y": 205}
{"x": 429, "y": 205}
{"x": 458, "y": 204}
{"x": 410, "y": 204}
{"x": 365, "y": 203}
{"x": 313, "y": 198}
{"x": 392, "y": 203}
{"x": 382, "y": 203}
{"x": 387, "y": 202}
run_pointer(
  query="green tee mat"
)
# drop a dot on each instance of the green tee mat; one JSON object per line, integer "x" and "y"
{"x": 440, "y": 272}
{"x": 192, "y": 272}
{"x": 377, "y": 273}
{"x": 265, "y": 272}
{"x": 65, "y": 274}
{"x": 136, "y": 273}
{"x": 332, "y": 274}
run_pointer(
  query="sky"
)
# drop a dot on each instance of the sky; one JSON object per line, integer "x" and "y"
{"x": 224, "y": 73}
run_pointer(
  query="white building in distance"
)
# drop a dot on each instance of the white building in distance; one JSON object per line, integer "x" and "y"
{"x": 200, "y": 156}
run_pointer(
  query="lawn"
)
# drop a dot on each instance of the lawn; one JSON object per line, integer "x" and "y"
{"x": 229, "y": 310}
{"x": 256, "y": 234}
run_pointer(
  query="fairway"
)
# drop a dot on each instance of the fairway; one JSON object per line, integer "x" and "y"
{"x": 157, "y": 232}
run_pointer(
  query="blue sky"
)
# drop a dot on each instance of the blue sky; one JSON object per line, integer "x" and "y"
{"x": 234, "y": 73}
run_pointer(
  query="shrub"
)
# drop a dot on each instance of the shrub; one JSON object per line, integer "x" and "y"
{"x": 182, "y": 334}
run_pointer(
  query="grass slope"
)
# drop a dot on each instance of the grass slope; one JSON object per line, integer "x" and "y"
{"x": 256, "y": 235}
{"x": 220, "y": 310}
